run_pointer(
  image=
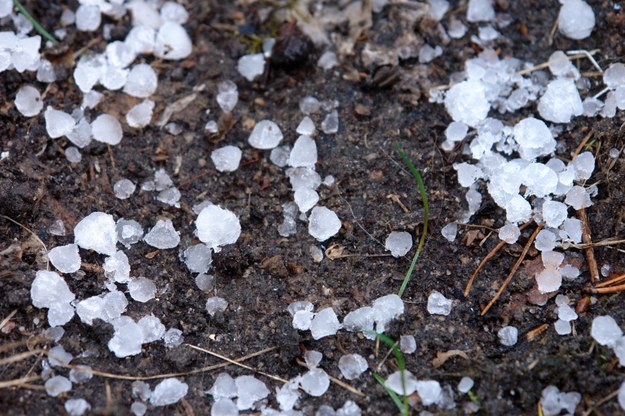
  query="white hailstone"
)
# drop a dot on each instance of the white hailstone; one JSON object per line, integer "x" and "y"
{"x": 324, "y": 323}
{"x": 303, "y": 153}
{"x": 509, "y": 233}
{"x": 49, "y": 290}
{"x": 545, "y": 240}
{"x": 65, "y": 258}
{"x": 323, "y": 223}
{"x": 621, "y": 396}
{"x": 129, "y": 232}
{"x": 25, "y": 54}
{"x": 88, "y": 18}
{"x": 90, "y": 309}
{"x": 330, "y": 123}
{"x": 315, "y": 382}
{"x": 549, "y": 280}
{"x": 198, "y": 258}
{"x": 57, "y": 356}
{"x": 96, "y": 232}
{"x": 77, "y": 407}
{"x": 561, "y": 66}
{"x": 57, "y": 385}
{"x": 215, "y": 304}
{"x": 327, "y": 60}
{"x": 73, "y": 154}
{"x": 552, "y": 259}
{"x": 465, "y": 385}
{"x": 151, "y": 328}
{"x": 540, "y": 180}
{"x": 140, "y": 115}
{"x": 127, "y": 338}
{"x": 480, "y": 11}
{"x": 80, "y": 135}
{"x": 306, "y": 127}
{"x": 398, "y": 243}
{"x": 45, "y": 72}
{"x": 227, "y": 96}
{"x": 467, "y": 173}
{"x": 385, "y": 309}
{"x": 534, "y": 138}
{"x": 163, "y": 235}
{"x": 583, "y": 165}
{"x": 142, "y": 289}
{"x": 429, "y": 391}
{"x": 88, "y": 71}
{"x": 168, "y": 391}
{"x": 605, "y": 330}
{"x": 562, "y": 327}
{"x": 58, "y": 123}
{"x": 404, "y": 384}
{"x": 508, "y": 335}
{"x": 305, "y": 199}
{"x": 352, "y": 366}
{"x": 205, "y": 282}
{"x": 113, "y": 78}
{"x": 361, "y": 319}
{"x": 124, "y": 188}
{"x": 576, "y": 19}
{"x": 106, "y": 129}
{"x": 407, "y": 344}
{"x": 224, "y": 387}
{"x": 249, "y": 390}
{"x": 227, "y": 158}
{"x": 172, "y": 42}
{"x": 174, "y": 12}
{"x": 456, "y": 131}
{"x": 172, "y": 338}
{"x": 265, "y": 135}
{"x": 142, "y": 81}
{"x": 450, "y": 231}
{"x": 561, "y": 101}
{"x": 217, "y": 227}
{"x": 224, "y": 407}
{"x": 309, "y": 105}
{"x": 288, "y": 395}
{"x": 141, "y": 39}
{"x": 251, "y": 66}
{"x": 120, "y": 54}
{"x": 6, "y": 8}
{"x": 438, "y": 304}
{"x": 466, "y": 102}
{"x": 554, "y": 213}
{"x": 312, "y": 359}
{"x": 614, "y": 76}
{"x": 578, "y": 198}
{"x": 304, "y": 177}
{"x": 28, "y": 101}
{"x": 438, "y": 8}
{"x": 212, "y": 127}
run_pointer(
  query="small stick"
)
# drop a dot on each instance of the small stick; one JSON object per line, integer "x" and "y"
{"x": 611, "y": 281}
{"x": 489, "y": 256}
{"x": 600, "y": 402}
{"x": 514, "y": 268}
{"x": 32, "y": 233}
{"x": 581, "y": 145}
{"x": 19, "y": 357}
{"x": 17, "y": 381}
{"x": 8, "y": 318}
{"x": 589, "y": 251}
{"x": 553, "y": 30}
{"x": 588, "y": 55}
{"x": 605, "y": 290}
{"x": 531, "y": 335}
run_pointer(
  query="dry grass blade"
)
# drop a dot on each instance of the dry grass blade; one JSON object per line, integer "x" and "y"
{"x": 8, "y": 318}
{"x": 514, "y": 269}
{"x": 605, "y": 290}
{"x": 489, "y": 256}
{"x": 612, "y": 281}
{"x": 606, "y": 399}
{"x": 35, "y": 236}
{"x": 593, "y": 269}
{"x": 19, "y": 357}
{"x": 17, "y": 382}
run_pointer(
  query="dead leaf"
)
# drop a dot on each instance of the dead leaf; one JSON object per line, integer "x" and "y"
{"x": 441, "y": 357}
{"x": 335, "y": 252}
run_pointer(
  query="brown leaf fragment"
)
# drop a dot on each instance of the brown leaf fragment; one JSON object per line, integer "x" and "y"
{"x": 441, "y": 357}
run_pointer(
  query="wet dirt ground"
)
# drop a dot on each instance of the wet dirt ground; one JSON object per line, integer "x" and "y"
{"x": 38, "y": 186}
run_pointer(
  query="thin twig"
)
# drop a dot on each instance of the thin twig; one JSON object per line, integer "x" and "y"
{"x": 581, "y": 145}
{"x": 7, "y": 319}
{"x": 601, "y": 402}
{"x": 32, "y": 233}
{"x": 17, "y": 382}
{"x": 605, "y": 290}
{"x": 514, "y": 269}
{"x": 489, "y": 256}
{"x": 19, "y": 357}
{"x": 593, "y": 269}
{"x": 611, "y": 282}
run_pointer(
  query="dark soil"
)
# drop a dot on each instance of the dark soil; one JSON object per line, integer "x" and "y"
{"x": 39, "y": 186}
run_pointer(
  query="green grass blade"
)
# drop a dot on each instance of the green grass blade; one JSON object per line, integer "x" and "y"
{"x": 401, "y": 363}
{"x": 36, "y": 24}
{"x": 391, "y": 393}
{"x": 426, "y": 212}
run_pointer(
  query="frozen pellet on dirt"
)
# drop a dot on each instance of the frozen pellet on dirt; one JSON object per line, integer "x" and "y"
{"x": 141, "y": 82}
{"x": 211, "y": 127}
{"x": 106, "y": 129}
{"x": 198, "y": 258}
{"x": 466, "y": 102}
{"x": 57, "y": 385}
{"x": 465, "y": 385}
{"x": 57, "y": 356}
{"x": 450, "y": 231}
{"x": 605, "y": 330}
{"x": 306, "y": 127}
{"x": 561, "y": 101}
{"x": 173, "y": 337}
{"x": 407, "y": 344}
{"x": 172, "y": 42}
{"x": 578, "y": 198}
{"x": 251, "y": 66}
{"x": 28, "y": 101}
{"x": 305, "y": 199}
{"x": 549, "y": 280}
{"x": 545, "y": 241}
{"x": 279, "y": 156}
{"x": 170, "y": 196}
{"x": 140, "y": 115}
{"x": 352, "y": 366}
{"x": 80, "y": 135}
{"x": 508, "y": 335}
{"x": 174, "y": 12}
{"x": 215, "y": 305}
{"x": 327, "y": 60}
{"x": 163, "y": 235}
{"x": 330, "y": 123}
{"x": 323, "y": 223}
{"x": 72, "y": 154}
{"x": 583, "y": 165}
{"x": 66, "y": 258}
{"x": 309, "y": 105}
{"x": 227, "y": 158}
{"x": 303, "y": 153}
{"x": 438, "y": 304}
{"x": 288, "y": 395}
{"x": 49, "y": 290}
{"x": 429, "y": 391}
{"x": 151, "y": 328}
{"x": 398, "y": 243}
{"x": 361, "y": 319}
{"x": 249, "y": 391}
{"x": 304, "y": 177}
{"x": 124, "y": 188}
{"x": 315, "y": 382}
{"x": 312, "y": 359}
{"x": 58, "y": 123}
{"x": 127, "y": 338}
{"x": 265, "y": 135}
{"x": 88, "y": 18}
{"x": 113, "y": 78}
{"x": 614, "y": 76}
{"x": 554, "y": 213}
{"x": 77, "y": 407}
{"x": 561, "y": 66}
{"x": 168, "y": 391}
{"x": 534, "y": 138}
{"x": 205, "y": 282}
{"x": 552, "y": 259}
{"x": 217, "y": 227}
{"x": 138, "y": 408}
{"x": 562, "y": 327}
{"x": 480, "y": 11}
{"x": 324, "y": 323}
{"x": 553, "y": 402}
{"x": 509, "y": 233}
{"x": 224, "y": 387}
{"x": 404, "y": 384}
{"x": 128, "y": 232}
{"x": 142, "y": 289}
{"x": 576, "y": 19}
{"x": 385, "y": 309}
{"x": 227, "y": 96}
